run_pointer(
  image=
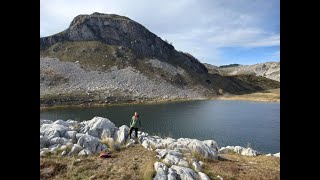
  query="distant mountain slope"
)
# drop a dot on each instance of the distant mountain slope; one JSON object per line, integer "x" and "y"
{"x": 269, "y": 70}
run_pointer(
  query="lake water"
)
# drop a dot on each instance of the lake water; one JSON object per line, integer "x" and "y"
{"x": 227, "y": 122}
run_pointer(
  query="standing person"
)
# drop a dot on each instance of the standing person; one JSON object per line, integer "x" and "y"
{"x": 135, "y": 124}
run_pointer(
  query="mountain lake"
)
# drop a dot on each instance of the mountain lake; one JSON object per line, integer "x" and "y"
{"x": 228, "y": 122}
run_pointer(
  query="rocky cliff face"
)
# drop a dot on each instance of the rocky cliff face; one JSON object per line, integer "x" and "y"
{"x": 121, "y": 31}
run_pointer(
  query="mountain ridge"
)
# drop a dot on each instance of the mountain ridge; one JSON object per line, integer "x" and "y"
{"x": 268, "y": 69}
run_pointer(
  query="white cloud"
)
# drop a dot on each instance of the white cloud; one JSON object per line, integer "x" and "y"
{"x": 244, "y": 38}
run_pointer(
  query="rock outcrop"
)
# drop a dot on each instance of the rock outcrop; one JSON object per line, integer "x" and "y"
{"x": 239, "y": 150}
{"x": 270, "y": 70}
{"x": 98, "y": 127}
{"x": 121, "y": 31}
{"x": 275, "y": 155}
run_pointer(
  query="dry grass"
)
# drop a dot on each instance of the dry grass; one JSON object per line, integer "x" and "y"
{"x": 267, "y": 95}
{"x": 148, "y": 172}
{"x": 109, "y": 142}
{"x": 242, "y": 167}
{"x": 132, "y": 163}
{"x": 90, "y": 54}
{"x": 137, "y": 163}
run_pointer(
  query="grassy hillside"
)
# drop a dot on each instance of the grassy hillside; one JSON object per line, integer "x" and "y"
{"x": 91, "y": 55}
{"x": 259, "y": 81}
{"x": 266, "y": 95}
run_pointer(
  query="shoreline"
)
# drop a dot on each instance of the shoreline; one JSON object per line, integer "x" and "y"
{"x": 238, "y": 98}
{"x": 256, "y": 97}
{"x": 272, "y": 95}
{"x": 150, "y": 102}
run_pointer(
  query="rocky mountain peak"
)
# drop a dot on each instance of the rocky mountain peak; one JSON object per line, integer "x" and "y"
{"x": 118, "y": 30}
{"x": 78, "y": 20}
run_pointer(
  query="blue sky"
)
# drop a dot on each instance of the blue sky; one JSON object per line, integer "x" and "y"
{"x": 214, "y": 31}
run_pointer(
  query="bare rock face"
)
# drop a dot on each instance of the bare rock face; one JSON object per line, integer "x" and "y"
{"x": 269, "y": 70}
{"x": 121, "y": 31}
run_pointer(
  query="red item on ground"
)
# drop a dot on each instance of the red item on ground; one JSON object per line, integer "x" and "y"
{"x": 105, "y": 155}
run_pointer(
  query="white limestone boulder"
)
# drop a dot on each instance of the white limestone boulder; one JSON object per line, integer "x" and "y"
{"x": 175, "y": 160}
{"x": 277, "y": 155}
{"x": 50, "y": 131}
{"x": 203, "y": 176}
{"x": 89, "y": 142}
{"x": 212, "y": 144}
{"x": 121, "y": 134}
{"x": 58, "y": 146}
{"x": 85, "y": 152}
{"x": 98, "y": 127}
{"x": 59, "y": 140}
{"x": 44, "y": 121}
{"x": 208, "y": 149}
{"x": 201, "y": 148}
{"x": 152, "y": 144}
{"x": 239, "y": 150}
{"x": 172, "y": 174}
{"x": 71, "y": 135}
{"x": 61, "y": 122}
{"x": 54, "y": 148}
{"x": 196, "y": 166}
{"x": 249, "y": 152}
{"x": 72, "y": 122}
{"x": 101, "y": 147}
{"x": 160, "y": 176}
{"x": 185, "y": 173}
{"x": 163, "y": 152}
{"x": 159, "y": 166}
{"x": 75, "y": 149}
{"x": 183, "y": 163}
{"x": 79, "y": 135}
{"x": 130, "y": 143}
{"x": 43, "y": 142}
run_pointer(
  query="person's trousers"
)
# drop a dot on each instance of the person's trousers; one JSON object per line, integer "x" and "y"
{"x": 136, "y": 132}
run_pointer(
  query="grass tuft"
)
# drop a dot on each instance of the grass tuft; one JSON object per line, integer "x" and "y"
{"x": 109, "y": 142}
{"x": 148, "y": 170}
